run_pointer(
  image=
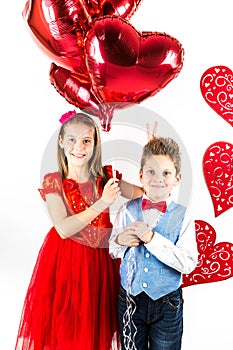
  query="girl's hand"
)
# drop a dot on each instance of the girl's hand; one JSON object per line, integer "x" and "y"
{"x": 151, "y": 135}
{"x": 142, "y": 231}
{"x": 111, "y": 191}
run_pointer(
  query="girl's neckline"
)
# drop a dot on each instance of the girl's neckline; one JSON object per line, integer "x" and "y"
{"x": 78, "y": 182}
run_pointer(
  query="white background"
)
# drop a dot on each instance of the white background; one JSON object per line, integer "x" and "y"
{"x": 30, "y": 108}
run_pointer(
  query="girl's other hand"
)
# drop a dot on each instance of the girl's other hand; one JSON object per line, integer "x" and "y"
{"x": 151, "y": 135}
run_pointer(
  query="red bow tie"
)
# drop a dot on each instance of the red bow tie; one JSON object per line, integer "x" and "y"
{"x": 146, "y": 204}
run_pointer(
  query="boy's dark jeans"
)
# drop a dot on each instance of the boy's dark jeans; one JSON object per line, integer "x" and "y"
{"x": 155, "y": 325}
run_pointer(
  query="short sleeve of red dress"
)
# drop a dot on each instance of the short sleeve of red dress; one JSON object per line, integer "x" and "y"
{"x": 52, "y": 183}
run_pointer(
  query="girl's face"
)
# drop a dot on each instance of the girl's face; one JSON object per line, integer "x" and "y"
{"x": 78, "y": 144}
{"x": 158, "y": 177}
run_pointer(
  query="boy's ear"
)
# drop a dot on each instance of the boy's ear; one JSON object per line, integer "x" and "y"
{"x": 140, "y": 175}
{"x": 178, "y": 178}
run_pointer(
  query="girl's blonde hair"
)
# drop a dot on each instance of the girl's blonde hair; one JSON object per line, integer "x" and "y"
{"x": 95, "y": 163}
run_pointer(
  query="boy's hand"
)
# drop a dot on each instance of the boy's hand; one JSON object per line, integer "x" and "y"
{"x": 142, "y": 231}
{"x": 128, "y": 238}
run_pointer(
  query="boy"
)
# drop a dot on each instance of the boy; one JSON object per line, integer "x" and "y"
{"x": 156, "y": 241}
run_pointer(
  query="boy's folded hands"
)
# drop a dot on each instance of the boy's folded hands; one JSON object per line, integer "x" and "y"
{"x": 134, "y": 234}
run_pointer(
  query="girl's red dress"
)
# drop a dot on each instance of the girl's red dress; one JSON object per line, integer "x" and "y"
{"x": 71, "y": 301}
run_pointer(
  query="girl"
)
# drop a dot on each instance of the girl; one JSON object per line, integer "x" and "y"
{"x": 71, "y": 302}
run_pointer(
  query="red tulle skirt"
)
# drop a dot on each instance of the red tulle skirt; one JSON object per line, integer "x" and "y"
{"x": 71, "y": 302}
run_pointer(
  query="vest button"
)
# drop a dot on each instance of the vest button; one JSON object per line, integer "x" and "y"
{"x": 144, "y": 284}
{"x": 146, "y": 269}
{"x": 147, "y": 255}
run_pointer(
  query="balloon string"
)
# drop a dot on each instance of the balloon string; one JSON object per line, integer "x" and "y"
{"x": 85, "y": 10}
{"x": 106, "y": 111}
{"x": 129, "y": 327}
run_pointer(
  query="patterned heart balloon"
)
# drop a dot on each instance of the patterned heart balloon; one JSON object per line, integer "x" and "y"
{"x": 127, "y": 66}
{"x": 218, "y": 174}
{"x": 215, "y": 262}
{"x": 217, "y": 89}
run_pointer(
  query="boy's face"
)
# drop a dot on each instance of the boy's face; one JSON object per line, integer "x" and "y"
{"x": 158, "y": 177}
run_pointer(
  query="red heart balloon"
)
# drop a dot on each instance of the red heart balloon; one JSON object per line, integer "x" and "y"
{"x": 126, "y": 66}
{"x": 215, "y": 261}
{"x": 56, "y": 27}
{"x": 74, "y": 90}
{"x": 79, "y": 93}
{"x": 59, "y": 27}
{"x": 217, "y": 90}
{"x": 218, "y": 174}
{"x": 120, "y": 8}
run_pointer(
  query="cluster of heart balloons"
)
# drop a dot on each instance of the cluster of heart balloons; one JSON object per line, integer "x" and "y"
{"x": 100, "y": 61}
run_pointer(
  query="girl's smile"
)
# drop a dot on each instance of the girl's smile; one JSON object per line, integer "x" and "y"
{"x": 78, "y": 155}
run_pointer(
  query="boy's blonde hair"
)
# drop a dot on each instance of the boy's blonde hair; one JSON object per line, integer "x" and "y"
{"x": 162, "y": 146}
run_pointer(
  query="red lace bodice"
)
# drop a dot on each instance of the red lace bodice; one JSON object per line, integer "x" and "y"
{"x": 78, "y": 197}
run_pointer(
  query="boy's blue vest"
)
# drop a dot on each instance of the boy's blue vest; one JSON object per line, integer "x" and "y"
{"x": 142, "y": 271}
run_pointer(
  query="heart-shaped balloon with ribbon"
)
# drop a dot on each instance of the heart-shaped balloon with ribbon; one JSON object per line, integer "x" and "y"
{"x": 217, "y": 90}
{"x": 215, "y": 262}
{"x": 126, "y": 66}
{"x": 218, "y": 174}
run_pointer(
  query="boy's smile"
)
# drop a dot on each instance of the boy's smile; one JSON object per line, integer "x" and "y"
{"x": 158, "y": 177}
